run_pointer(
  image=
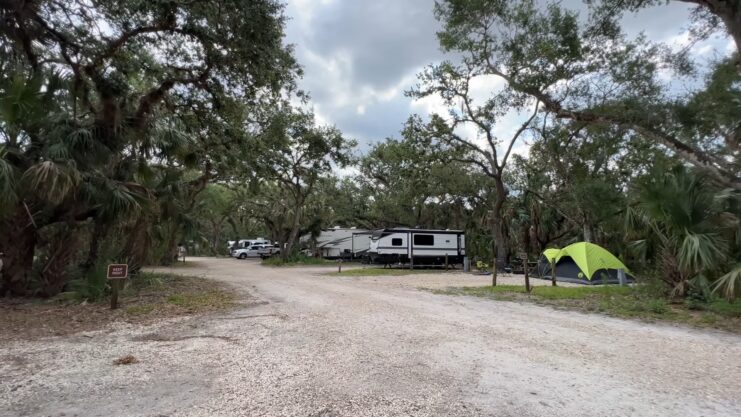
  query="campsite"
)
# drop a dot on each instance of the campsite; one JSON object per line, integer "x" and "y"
{"x": 370, "y": 208}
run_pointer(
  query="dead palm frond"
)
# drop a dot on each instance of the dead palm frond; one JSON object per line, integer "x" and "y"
{"x": 729, "y": 285}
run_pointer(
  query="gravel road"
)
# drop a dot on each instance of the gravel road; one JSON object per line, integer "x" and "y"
{"x": 305, "y": 344}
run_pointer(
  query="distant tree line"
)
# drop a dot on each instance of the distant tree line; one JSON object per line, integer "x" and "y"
{"x": 129, "y": 127}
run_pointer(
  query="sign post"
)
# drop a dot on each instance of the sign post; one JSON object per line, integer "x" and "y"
{"x": 116, "y": 272}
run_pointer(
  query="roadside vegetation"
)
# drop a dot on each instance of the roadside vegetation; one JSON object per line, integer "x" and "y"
{"x": 296, "y": 260}
{"x": 637, "y": 302}
{"x": 118, "y": 145}
{"x": 373, "y": 272}
{"x": 148, "y": 297}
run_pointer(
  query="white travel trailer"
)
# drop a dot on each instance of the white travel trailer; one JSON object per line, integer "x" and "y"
{"x": 243, "y": 243}
{"x": 417, "y": 246}
{"x": 341, "y": 242}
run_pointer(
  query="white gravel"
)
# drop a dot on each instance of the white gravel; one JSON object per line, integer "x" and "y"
{"x": 312, "y": 345}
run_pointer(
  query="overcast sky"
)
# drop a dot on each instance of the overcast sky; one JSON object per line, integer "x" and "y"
{"x": 360, "y": 56}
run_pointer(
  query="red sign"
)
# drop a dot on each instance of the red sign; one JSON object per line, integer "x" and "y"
{"x": 118, "y": 271}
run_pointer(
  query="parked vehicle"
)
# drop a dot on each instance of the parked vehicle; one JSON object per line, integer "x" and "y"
{"x": 252, "y": 251}
{"x": 268, "y": 251}
{"x": 339, "y": 242}
{"x": 246, "y": 243}
{"x": 418, "y": 246}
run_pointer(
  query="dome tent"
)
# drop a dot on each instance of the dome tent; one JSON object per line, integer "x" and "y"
{"x": 583, "y": 263}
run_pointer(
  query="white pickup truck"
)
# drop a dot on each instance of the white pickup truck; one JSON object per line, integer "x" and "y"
{"x": 268, "y": 251}
{"x": 260, "y": 250}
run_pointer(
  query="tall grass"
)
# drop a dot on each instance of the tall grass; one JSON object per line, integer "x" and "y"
{"x": 296, "y": 260}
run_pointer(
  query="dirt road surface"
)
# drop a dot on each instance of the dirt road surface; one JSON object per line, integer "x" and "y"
{"x": 305, "y": 344}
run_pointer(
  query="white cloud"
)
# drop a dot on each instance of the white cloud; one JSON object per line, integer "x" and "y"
{"x": 360, "y": 56}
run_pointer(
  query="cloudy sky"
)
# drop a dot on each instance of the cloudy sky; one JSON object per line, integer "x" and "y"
{"x": 359, "y": 56}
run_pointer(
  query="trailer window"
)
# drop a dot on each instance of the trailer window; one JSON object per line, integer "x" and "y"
{"x": 396, "y": 241}
{"x": 424, "y": 240}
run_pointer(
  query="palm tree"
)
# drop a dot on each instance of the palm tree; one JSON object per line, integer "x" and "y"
{"x": 689, "y": 226}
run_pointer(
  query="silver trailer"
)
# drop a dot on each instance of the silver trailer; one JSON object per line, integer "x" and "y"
{"x": 417, "y": 247}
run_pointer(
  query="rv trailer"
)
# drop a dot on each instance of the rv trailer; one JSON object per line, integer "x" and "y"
{"x": 417, "y": 247}
{"x": 341, "y": 242}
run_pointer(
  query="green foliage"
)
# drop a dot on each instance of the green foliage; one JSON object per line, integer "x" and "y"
{"x": 120, "y": 130}
{"x": 689, "y": 225}
{"x": 92, "y": 284}
{"x": 296, "y": 260}
{"x": 380, "y": 272}
{"x": 640, "y": 302}
{"x": 729, "y": 285}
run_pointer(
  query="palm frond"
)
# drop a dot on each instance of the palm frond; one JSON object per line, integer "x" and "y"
{"x": 8, "y": 182}
{"x": 52, "y": 181}
{"x": 698, "y": 252}
{"x": 729, "y": 284}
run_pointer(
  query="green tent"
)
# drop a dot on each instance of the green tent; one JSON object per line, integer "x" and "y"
{"x": 582, "y": 262}
{"x": 551, "y": 254}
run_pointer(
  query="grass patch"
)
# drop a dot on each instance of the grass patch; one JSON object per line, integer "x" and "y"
{"x": 638, "y": 302}
{"x": 145, "y": 298}
{"x": 296, "y": 261}
{"x": 139, "y": 310}
{"x": 377, "y": 272}
{"x": 725, "y": 308}
{"x": 205, "y": 301}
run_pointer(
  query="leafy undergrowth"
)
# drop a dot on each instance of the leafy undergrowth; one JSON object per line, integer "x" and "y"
{"x": 296, "y": 261}
{"x": 639, "y": 302}
{"x": 145, "y": 298}
{"x": 372, "y": 272}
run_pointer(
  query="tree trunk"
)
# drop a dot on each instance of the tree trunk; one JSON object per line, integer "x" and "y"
{"x": 587, "y": 233}
{"x": 18, "y": 246}
{"x": 730, "y": 13}
{"x": 526, "y": 267}
{"x": 99, "y": 231}
{"x": 295, "y": 230}
{"x": 137, "y": 245}
{"x": 171, "y": 250}
{"x": 62, "y": 250}
{"x": 501, "y": 243}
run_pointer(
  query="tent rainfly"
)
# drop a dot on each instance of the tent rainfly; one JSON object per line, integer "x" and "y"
{"x": 583, "y": 263}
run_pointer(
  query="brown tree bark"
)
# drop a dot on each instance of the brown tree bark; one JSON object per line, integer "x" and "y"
{"x": 501, "y": 242}
{"x": 295, "y": 230}
{"x": 18, "y": 245}
{"x": 55, "y": 274}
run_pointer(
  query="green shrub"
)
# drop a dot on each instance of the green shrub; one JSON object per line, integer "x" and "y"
{"x": 91, "y": 285}
{"x": 658, "y": 306}
{"x": 295, "y": 260}
{"x": 724, "y": 308}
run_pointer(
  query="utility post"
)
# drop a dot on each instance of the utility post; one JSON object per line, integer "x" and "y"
{"x": 494, "y": 272}
{"x": 553, "y": 272}
{"x": 526, "y": 268}
{"x": 116, "y": 273}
